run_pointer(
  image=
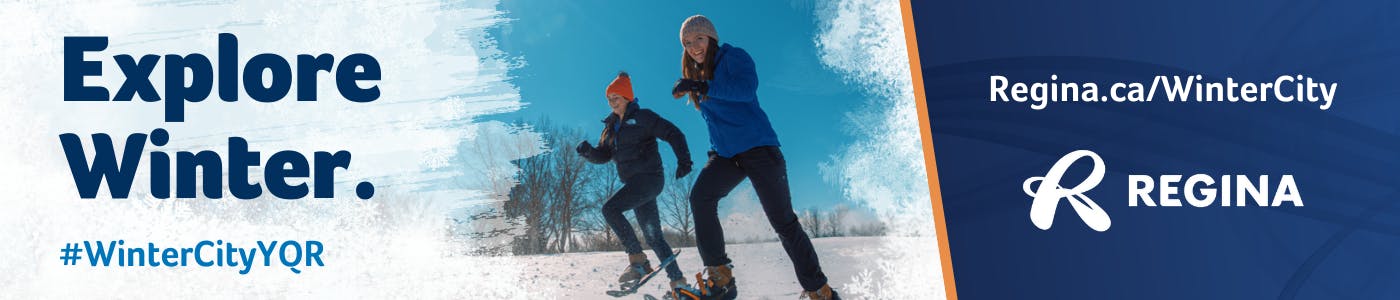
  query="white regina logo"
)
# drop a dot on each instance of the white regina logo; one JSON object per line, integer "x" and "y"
{"x": 1046, "y": 197}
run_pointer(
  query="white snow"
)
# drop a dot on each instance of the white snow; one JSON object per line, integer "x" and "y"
{"x": 762, "y": 270}
{"x": 883, "y": 168}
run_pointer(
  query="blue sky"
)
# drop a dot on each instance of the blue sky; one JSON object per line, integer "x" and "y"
{"x": 573, "y": 49}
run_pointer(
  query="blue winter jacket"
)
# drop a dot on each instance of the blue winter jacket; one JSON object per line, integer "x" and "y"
{"x": 731, "y": 112}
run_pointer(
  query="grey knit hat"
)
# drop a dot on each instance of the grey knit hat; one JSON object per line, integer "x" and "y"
{"x": 698, "y": 24}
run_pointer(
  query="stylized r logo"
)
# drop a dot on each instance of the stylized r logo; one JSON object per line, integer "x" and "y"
{"x": 1046, "y": 197}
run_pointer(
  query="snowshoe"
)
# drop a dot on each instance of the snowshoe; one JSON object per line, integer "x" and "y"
{"x": 630, "y": 287}
{"x": 714, "y": 283}
{"x": 637, "y": 266}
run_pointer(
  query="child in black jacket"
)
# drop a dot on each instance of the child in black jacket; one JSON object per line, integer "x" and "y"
{"x": 629, "y": 139}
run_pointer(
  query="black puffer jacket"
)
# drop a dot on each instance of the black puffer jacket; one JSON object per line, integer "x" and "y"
{"x": 631, "y": 142}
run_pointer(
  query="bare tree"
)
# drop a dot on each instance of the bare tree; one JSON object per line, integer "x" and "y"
{"x": 835, "y": 220}
{"x": 569, "y": 169}
{"x": 589, "y": 215}
{"x": 560, "y": 195}
{"x": 675, "y": 205}
{"x": 811, "y": 222}
{"x": 869, "y": 229}
{"x": 528, "y": 201}
{"x": 536, "y": 198}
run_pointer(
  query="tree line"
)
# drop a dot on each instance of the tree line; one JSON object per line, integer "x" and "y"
{"x": 557, "y": 197}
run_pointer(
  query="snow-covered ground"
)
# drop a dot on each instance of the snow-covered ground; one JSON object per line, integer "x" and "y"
{"x": 762, "y": 270}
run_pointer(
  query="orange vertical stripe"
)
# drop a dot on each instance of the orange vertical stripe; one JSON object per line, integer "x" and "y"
{"x": 931, "y": 165}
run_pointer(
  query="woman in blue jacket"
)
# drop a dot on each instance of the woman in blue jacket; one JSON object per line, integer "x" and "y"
{"x": 721, "y": 82}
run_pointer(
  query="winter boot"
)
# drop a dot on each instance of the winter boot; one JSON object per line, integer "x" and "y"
{"x": 677, "y": 285}
{"x": 713, "y": 283}
{"x": 637, "y": 266}
{"x": 824, "y": 293}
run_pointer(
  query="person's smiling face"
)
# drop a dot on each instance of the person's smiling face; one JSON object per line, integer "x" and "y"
{"x": 696, "y": 45}
{"x": 618, "y": 104}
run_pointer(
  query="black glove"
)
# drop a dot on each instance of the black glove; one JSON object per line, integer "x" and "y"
{"x": 583, "y": 148}
{"x": 689, "y": 86}
{"x": 682, "y": 169}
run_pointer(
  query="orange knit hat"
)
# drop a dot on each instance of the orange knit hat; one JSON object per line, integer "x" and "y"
{"x": 622, "y": 86}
